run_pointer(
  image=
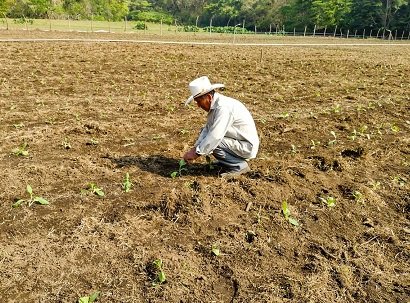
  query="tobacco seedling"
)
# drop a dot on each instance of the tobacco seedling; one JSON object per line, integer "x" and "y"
{"x": 314, "y": 144}
{"x": 332, "y": 142}
{"x": 375, "y": 185}
{"x": 21, "y": 150}
{"x": 209, "y": 163}
{"x": 286, "y": 214}
{"x": 65, "y": 144}
{"x": 89, "y": 299}
{"x": 33, "y": 199}
{"x": 94, "y": 189}
{"x": 127, "y": 184}
{"x": 329, "y": 201}
{"x": 160, "y": 272}
{"x": 337, "y": 108}
{"x": 215, "y": 250}
{"x": 358, "y": 196}
{"x": 182, "y": 168}
{"x": 395, "y": 128}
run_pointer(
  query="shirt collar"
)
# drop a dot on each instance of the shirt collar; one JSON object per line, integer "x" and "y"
{"x": 214, "y": 100}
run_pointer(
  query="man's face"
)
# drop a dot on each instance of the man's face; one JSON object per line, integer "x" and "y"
{"x": 204, "y": 102}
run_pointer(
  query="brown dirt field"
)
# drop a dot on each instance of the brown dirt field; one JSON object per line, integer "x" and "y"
{"x": 120, "y": 108}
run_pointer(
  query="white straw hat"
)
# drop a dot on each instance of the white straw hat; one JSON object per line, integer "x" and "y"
{"x": 201, "y": 86}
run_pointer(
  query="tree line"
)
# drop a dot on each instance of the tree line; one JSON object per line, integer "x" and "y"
{"x": 263, "y": 14}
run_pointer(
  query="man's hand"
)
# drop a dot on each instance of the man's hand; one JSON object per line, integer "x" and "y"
{"x": 190, "y": 155}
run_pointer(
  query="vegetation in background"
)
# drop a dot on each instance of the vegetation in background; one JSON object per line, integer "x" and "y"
{"x": 282, "y": 15}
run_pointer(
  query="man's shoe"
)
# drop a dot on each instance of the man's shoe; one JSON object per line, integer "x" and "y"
{"x": 236, "y": 173}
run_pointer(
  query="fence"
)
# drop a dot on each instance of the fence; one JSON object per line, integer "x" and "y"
{"x": 126, "y": 26}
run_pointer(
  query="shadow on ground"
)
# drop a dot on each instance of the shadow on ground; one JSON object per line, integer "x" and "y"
{"x": 164, "y": 166}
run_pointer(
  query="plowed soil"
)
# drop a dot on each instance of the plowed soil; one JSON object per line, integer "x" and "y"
{"x": 333, "y": 122}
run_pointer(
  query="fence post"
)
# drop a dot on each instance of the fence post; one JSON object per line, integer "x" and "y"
{"x": 314, "y": 30}
{"x": 324, "y": 33}
{"x": 355, "y": 32}
{"x": 347, "y": 35}
{"x": 255, "y": 29}
{"x": 304, "y": 33}
{"x": 384, "y": 31}
{"x": 364, "y": 33}
{"x": 395, "y": 35}
{"x": 196, "y": 22}
{"x": 243, "y": 26}
{"x": 92, "y": 29}
{"x": 402, "y": 34}
{"x": 341, "y": 33}
{"x": 25, "y": 22}
{"x": 270, "y": 28}
{"x": 49, "y": 21}
{"x": 294, "y": 32}
{"x": 161, "y": 28}
{"x": 334, "y": 34}
{"x": 210, "y": 26}
{"x": 377, "y": 36}
{"x": 125, "y": 23}
{"x": 371, "y": 33}
{"x": 283, "y": 30}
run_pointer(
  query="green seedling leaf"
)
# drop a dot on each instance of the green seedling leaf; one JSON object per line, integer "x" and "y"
{"x": 99, "y": 192}
{"x": 94, "y": 296}
{"x": 18, "y": 203}
{"x": 285, "y": 209}
{"x": 161, "y": 277}
{"x": 41, "y": 200}
{"x": 215, "y": 250}
{"x": 89, "y": 299}
{"x": 174, "y": 174}
{"x": 126, "y": 185}
{"x": 158, "y": 263}
{"x": 286, "y": 214}
{"x": 292, "y": 221}
{"x": 29, "y": 189}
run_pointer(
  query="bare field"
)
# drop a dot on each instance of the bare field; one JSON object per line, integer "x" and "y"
{"x": 333, "y": 121}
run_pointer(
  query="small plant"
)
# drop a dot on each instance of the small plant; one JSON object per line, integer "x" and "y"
{"x": 215, "y": 250}
{"x": 93, "y": 142}
{"x": 89, "y": 299}
{"x": 337, "y": 109}
{"x": 394, "y": 128}
{"x": 286, "y": 214}
{"x": 182, "y": 168}
{"x": 314, "y": 144}
{"x": 358, "y": 196}
{"x": 18, "y": 125}
{"x": 353, "y": 136}
{"x": 294, "y": 150}
{"x": 31, "y": 200}
{"x": 329, "y": 201}
{"x": 21, "y": 150}
{"x": 400, "y": 181}
{"x": 375, "y": 185}
{"x": 332, "y": 142}
{"x": 183, "y": 131}
{"x": 209, "y": 163}
{"x": 284, "y": 115}
{"x": 140, "y": 25}
{"x": 94, "y": 189}
{"x": 65, "y": 144}
{"x": 126, "y": 184}
{"x": 160, "y": 274}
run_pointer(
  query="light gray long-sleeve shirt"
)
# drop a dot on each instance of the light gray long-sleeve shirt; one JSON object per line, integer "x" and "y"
{"x": 229, "y": 118}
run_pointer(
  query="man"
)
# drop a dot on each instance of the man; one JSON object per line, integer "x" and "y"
{"x": 229, "y": 135}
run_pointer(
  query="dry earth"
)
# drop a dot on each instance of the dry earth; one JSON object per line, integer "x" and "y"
{"x": 333, "y": 121}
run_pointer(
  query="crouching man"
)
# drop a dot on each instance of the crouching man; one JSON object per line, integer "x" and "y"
{"x": 229, "y": 134}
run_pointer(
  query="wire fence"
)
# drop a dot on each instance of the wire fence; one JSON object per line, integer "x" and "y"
{"x": 127, "y": 26}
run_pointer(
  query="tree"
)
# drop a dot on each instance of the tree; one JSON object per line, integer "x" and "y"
{"x": 365, "y": 14}
{"x": 330, "y": 12}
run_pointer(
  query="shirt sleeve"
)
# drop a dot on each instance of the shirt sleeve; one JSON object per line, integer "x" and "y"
{"x": 216, "y": 127}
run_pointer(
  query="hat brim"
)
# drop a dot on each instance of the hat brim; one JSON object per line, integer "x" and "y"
{"x": 211, "y": 88}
